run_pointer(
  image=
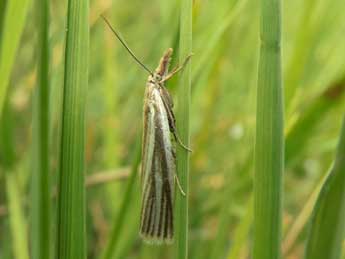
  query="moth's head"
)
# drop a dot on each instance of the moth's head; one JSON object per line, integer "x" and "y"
{"x": 157, "y": 78}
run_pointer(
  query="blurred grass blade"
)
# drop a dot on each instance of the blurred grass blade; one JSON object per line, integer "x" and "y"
{"x": 242, "y": 232}
{"x": 18, "y": 240}
{"x": 119, "y": 222}
{"x": 301, "y": 132}
{"x": 328, "y": 220}
{"x": 216, "y": 39}
{"x": 182, "y": 118}
{"x": 71, "y": 236}
{"x": 222, "y": 237}
{"x": 16, "y": 216}
{"x": 40, "y": 212}
{"x": 300, "y": 221}
{"x": 269, "y": 146}
{"x": 13, "y": 24}
{"x": 295, "y": 68}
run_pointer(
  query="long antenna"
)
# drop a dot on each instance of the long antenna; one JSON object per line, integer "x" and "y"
{"x": 126, "y": 46}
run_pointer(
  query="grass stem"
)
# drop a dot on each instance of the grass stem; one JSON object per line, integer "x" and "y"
{"x": 183, "y": 113}
{"x": 71, "y": 233}
{"x": 269, "y": 146}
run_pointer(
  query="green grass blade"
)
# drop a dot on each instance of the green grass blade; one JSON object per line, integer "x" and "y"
{"x": 298, "y": 60}
{"x": 269, "y": 146}
{"x": 300, "y": 221}
{"x": 16, "y": 215}
{"x": 242, "y": 232}
{"x": 13, "y": 190}
{"x": 13, "y": 25}
{"x": 40, "y": 229}
{"x": 71, "y": 239}
{"x": 215, "y": 40}
{"x": 182, "y": 118}
{"x": 120, "y": 222}
{"x": 222, "y": 236}
{"x": 300, "y": 133}
{"x": 328, "y": 220}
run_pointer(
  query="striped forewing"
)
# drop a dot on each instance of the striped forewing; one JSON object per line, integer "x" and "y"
{"x": 158, "y": 170}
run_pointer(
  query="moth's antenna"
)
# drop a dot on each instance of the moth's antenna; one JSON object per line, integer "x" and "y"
{"x": 126, "y": 46}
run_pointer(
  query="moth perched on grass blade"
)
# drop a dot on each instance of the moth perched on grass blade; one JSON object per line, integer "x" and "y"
{"x": 158, "y": 166}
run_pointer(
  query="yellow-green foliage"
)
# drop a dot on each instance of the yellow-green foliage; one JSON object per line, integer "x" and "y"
{"x": 225, "y": 75}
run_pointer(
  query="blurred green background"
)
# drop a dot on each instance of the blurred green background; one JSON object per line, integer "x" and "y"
{"x": 224, "y": 76}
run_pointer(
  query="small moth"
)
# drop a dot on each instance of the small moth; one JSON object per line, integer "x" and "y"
{"x": 158, "y": 166}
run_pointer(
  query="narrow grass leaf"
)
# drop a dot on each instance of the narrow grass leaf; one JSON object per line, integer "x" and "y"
{"x": 216, "y": 39}
{"x": 17, "y": 222}
{"x": 300, "y": 221}
{"x": 269, "y": 146}
{"x": 302, "y": 130}
{"x": 295, "y": 68}
{"x": 327, "y": 227}
{"x": 12, "y": 28}
{"x": 40, "y": 213}
{"x": 16, "y": 215}
{"x": 120, "y": 221}
{"x": 222, "y": 236}
{"x": 71, "y": 236}
{"x": 242, "y": 232}
{"x": 182, "y": 119}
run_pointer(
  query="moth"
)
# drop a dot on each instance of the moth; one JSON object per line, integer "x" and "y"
{"x": 158, "y": 166}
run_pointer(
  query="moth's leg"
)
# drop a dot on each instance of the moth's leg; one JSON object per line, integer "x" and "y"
{"x": 179, "y": 185}
{"x": 172, "y": 127}
{"x": 177, "y": 69}
{"x": 180, "y": 141}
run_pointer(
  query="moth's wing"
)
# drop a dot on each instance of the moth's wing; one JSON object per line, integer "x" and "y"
{"x": 166, "y": 97}
{"x": 147, "y": 143}
{"x": 168, "y": 104}
{"x": 158, "y": 186}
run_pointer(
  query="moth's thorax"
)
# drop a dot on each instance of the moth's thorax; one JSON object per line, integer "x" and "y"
{"x": 152, "y": 87}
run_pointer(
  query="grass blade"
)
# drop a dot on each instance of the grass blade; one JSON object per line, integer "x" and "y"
{"x": 242, "y": 232}
{"x": 14, "y": 192}
{"x": 269, "y": 146}
{"x": 17, "y": 222}
{"x": 119, "y": 223}
{"x": 328, "y": 219}
{"x": 301, "y": 132}
{"x": 13, "y": 25}
{"x": 71, "y": 198}
{"x": 182, "y": 118}
{"x": 40, "y": 230}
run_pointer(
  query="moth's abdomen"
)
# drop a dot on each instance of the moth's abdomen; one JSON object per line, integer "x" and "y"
{"x": 157, "y": 215}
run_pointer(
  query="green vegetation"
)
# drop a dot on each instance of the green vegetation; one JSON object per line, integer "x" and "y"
{"x": 183, "y": 124}
{"x": 269, "y": 144}
{"x": 41, "y": 205}
{"x": 71, "y": 112}
{"x": 71, "y": 232}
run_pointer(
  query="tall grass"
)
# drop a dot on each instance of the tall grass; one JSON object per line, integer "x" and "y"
{"x": 269, "y": 145}
{"x": 12, "y": 28}
{"x": 220, "y": 215}
{"x": 120, "y": 224}
{"x": 328, "y": 220}
{"x": 71, "y": 232}
{"x": 13, "y": 16}
{"x": 182, "y": 119}
{"x": 18, "y": 223}
{"x": 41, "y": 205}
